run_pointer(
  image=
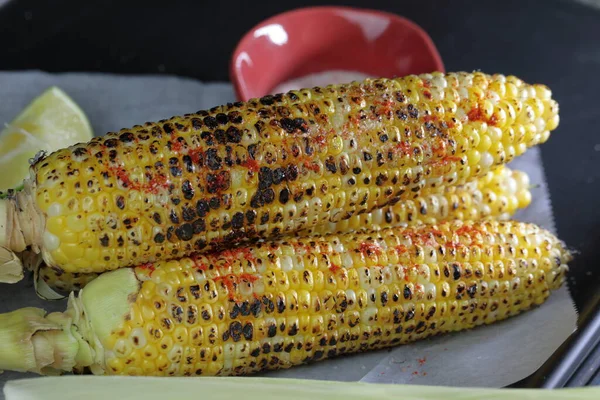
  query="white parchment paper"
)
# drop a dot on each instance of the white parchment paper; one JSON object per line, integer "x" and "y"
{"x": 491, "y": 356}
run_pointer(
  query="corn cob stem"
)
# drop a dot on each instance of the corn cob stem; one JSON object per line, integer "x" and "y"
{"x": 271, "y": 167}
{"x": 279, "y": 304}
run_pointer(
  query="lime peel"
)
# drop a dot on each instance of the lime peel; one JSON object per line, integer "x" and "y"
{"x": 50, "y": 122}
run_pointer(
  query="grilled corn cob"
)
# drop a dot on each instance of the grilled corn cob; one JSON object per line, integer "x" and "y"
{"x": 278, "y": 304}
{"x": 269, "y": 167}
{"x": 498, "y": 194}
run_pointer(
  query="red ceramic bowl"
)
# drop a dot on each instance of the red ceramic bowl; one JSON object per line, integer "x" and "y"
{"x": 318, "y": 39}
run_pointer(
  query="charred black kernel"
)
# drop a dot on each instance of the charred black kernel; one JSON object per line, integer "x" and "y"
{"x": 318, "y": 355}
{"x": 252, "y": 150}
{"x": 211, "y": 122}
{"x": 195, "y": 291}
{"x": 218, "y": 182}
{"x": 278, "y": 176}
{"x": 402, "y": 115}
{"x": 126, "y": 137}
{"x": 173, "y": 217}
{"x": 266, "y": 348}
{"x": 292, "y": 172}
{"x": 388, "y": 216}
{"x": 200, "y": 244}
{"x": 250, "y": 216}
{"x": 235, "y": 117}
{"x": 293, "y": 330}
{"x": 397, "y": 316}
{"x": 237, "y": 221}
{"x": 199, "y": 226}
{"x": 280, "y": 305}
{"x": 213, "y": 161}
{"x": 175, "y": 200}
{"x": 208, "y": 137}
{"x": 267, "y": 100}
{"x": 170, "y": 232}
{"x": 248, "y": 331}
{"x": 278, "y": 347}
{"x": 367, "y": 156}
{"x": 446, "y": 271}
{"x": 188, "y": 213}
{"x": 431, "y": 312}
{"x": 421, "y": 327}
{"x": 257, "y": 201}
{"x": 185, "y": 232}
{"x": 472, "y": 290}
{"x": 380, "y": 160}
{"x": 226, "y": 335}
{"x": 268, "y": 195}
{"x": 234, "y": 135}
{"x": 384, "y": 138}
{"x": 111, "y": 143}
{"x": 78, "y": 152}
{"x": 166, "y": 323}
{"x": 288, "y": 348}
{"x": 272, "y": 330}
{"x": 214, "y": 203}
{"x": 168, "y": 128}
{"x": 221, "y": 118}
{"x": 412, "y": 111}
{"x": 456, "y": 271}
{"x": 220, "y": 136}
{"x": 409, "y": 315}
{"x": 284, "y": 195}
{"x": 308, "y": 148}
{"x": 255, "y": 352}
{"x": 380, "y": 180}
{"x": 205, "y": 315}
{"x": 196, "y": 123}
{"x": 265, "y": 178}
{"x": 104, "y": 240}
{"x": 351, "y": 181}
{"x": 120, "y": 201}
{"x": 159, "y": 238}
{"x": 120, "y": 241}
{"x": 188, "y": 191}
{"x": 235, "y": 311}
{"x": 255, "y": 307}
{"x": 235, "y": 329}
{"x": 177, "y": 312}
{"x": 189, "y": 164}
{"x": 384, "y": 298}
{"x": 330, "y": 165}
{"x": 202, "y": 208}
{"x": 288, "y": 124}
{"x": 264, "y": 218}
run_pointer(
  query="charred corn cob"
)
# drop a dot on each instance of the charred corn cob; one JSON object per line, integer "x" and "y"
{"x": 269, "y": 167}
{"x": 498, "y": 194}
{"x": 278, "y": 304}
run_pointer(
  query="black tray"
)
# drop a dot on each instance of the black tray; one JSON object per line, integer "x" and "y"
{"x": 555, "y": 42}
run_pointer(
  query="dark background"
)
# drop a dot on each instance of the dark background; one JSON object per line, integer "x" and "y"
{"x": 555, "y": 42}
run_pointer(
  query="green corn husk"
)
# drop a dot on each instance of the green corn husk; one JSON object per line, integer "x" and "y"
{"x": 122, "y": 388}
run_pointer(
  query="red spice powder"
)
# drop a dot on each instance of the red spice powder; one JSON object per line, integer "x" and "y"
{"x": 251, "y": 164}
{"x": 334, "y": 268}
{"x": 368, "y": 248}
{"x": 147, "y": 267}
{"x": 476, "y": 114}
{"x": 196, "y": 155}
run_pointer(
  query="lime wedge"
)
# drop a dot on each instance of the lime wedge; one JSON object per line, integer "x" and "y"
{"x": 50, "y": 122}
